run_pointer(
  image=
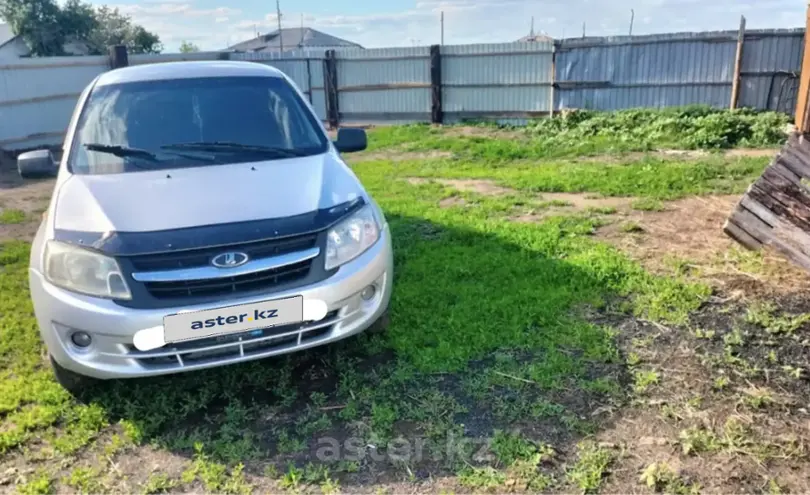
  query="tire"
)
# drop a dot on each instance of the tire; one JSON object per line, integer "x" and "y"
{"x": 381, "y": 325}
{"x": 71, "y": 381}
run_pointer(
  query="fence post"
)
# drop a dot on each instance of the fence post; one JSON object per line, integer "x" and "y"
{"x": 330, "y": 85}
{"x": 436, "y": 113}
{"x": 552, "y": 91}
{"x": 803, "y": 97}
{"x": 118, "y": 56}
{"x": 309, "y": 81}
{"x": 735, "y": 85}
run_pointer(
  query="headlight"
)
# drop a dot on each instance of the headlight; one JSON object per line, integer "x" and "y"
{"x": 351, "y": 237}
{"x": 81, "y": 270}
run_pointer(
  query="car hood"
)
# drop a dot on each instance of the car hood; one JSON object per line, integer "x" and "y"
{"x": 206, "y": 195}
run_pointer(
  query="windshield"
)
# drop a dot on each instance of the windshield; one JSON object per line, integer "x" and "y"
{"x": 192, "y": 122}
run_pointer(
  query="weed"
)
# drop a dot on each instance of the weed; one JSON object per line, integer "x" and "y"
{"x": 158, "y": 483}
{"x": 591, "y": 466}
{"x": 510, "y": 447}
{"x": 696, "y": 440}
{"x": 632, "y": 228}
{"x": 215, "y": 476}
{"x": 757, "y": 397}
{"x": 774, "y": 488}
{"x": 11, "y": 216}
{"x": 703, "y": 334}
{"x": 793, "y": 371}
{"x": 602, "y": 210}
{"x": 40, "y": 483}
{"x": 660, "y": 477}
{"x": 643, "y": 379}
{"x": 720, "y": 383}
{"x": 291, "y": 480}
{"x": 85, "y": 480}
{"x": 648, "y": 204}
{"x": 764, "y": 315}
{"x": 734, "y": 339}
{"x": 486, "y": 478}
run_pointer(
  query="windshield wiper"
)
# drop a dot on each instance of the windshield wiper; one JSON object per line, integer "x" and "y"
{"x": 232, "y": 147}
{"x": 125, "y": 151}
{"x": 122, "y": 151}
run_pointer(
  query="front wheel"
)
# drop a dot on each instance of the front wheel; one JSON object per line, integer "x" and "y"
{"x": 71, "y": 381}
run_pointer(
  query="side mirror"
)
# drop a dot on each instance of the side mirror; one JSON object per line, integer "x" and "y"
{"x": 37, "y": 164}
{"x": 350, "y": 140}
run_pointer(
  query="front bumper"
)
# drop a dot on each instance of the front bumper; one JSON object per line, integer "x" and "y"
{"x": 59, "y": 313}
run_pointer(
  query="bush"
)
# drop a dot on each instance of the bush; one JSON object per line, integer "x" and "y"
{"x": 690, "y": 127}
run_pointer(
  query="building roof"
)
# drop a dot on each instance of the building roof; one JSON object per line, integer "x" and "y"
{"x": 6, "y": 34}
{"x": 535, "y": 38}
{"x": 186, "y": 70}
{"x": 291, "y": 38}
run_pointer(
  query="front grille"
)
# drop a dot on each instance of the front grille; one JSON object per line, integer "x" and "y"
{"x": 243, "y": 344}
{"x": 183, "y": 291}
{"x": 201, "y": 257}
{"x": 229, "y": 285}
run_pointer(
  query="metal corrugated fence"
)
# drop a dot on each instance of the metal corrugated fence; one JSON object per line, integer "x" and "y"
{"x": 508, "y": 82}
{"x": 390, "y": 85}
{"x": 37, "y": 98}
{"x": 614, "y": 73}
{"x": 498, "y": 81}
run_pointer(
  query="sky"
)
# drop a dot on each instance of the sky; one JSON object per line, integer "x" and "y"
{"x": 216, "y": 24}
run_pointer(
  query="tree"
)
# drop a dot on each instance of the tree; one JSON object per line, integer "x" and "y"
{"x": 37, "y": 22}
{"x": 188, "y": 47}
{"x": 46, "y": 27}
{"x": 117, "y": 29}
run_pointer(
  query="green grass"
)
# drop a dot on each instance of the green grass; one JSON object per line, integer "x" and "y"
{"x": 641, "y": 177}
{"x": 12, "y": 216}
{"x": 486, "y": 323}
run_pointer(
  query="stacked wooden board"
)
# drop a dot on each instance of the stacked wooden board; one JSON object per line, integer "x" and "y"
{"x": 775, "y": 210}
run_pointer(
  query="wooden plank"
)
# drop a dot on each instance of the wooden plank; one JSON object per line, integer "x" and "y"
{"x": 791, "y": 236}
{"x": 779, "y": 186}
{"x": 380, "y": 87}
{"x": 802, "y": 100}
{"x": 794, "y": 163}
{"x": 779, "y": 169}
{"x": 785, "y": 210}
{"x": 775, "y": 210}
{"x": 735, "y": 85}
{"x": 738, "y": 234}
{"x": 754, "y": 226}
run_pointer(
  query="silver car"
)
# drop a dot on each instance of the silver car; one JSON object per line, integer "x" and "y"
{"x": 201, "y": 217}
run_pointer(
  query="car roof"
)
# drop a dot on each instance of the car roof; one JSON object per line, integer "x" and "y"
{"x": 186, "y": 70}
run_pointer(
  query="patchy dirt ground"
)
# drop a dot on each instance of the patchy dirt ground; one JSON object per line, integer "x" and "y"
{"x": 719, "y": 404}
{"x": 21, "y": 204}
{"x": 722, "y": 401}
{"x": 685, "y": 236}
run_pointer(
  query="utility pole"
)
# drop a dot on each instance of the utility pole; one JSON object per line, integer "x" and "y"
{"x": 442, "y": 27}
{"x": 280, "y": 38}
{"x": 632, "y": 18}
{"x": 583, "y": 30}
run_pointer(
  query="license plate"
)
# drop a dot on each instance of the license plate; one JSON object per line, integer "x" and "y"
{"x": 232, "y": 319}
